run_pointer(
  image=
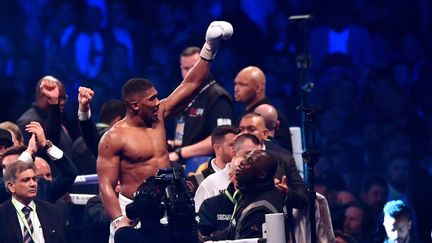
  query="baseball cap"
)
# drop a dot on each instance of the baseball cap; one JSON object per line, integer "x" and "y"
{"x": 5, "y": 138}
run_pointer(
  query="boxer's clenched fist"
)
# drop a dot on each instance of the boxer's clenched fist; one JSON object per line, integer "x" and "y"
{"x": 216, "y": 31}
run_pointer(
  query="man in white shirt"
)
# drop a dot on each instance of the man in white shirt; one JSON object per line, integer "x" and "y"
{"x": 222, "y": 139}
{"x": 217, "y": 182}
{"x": 23, "y": 216}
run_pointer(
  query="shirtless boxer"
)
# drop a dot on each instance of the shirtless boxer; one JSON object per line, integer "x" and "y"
{"x": 135, "y": 147}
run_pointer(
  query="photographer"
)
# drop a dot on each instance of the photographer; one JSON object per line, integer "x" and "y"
{"x": 163, "y": 194}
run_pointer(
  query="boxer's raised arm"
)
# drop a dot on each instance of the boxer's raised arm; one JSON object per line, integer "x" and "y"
{"x": 216, "y": 31}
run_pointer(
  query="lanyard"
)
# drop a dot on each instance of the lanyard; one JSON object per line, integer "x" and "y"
{"x": 23, "y": 220}
{"x": 199, "y": 93}
{"x": 233, "y": 200}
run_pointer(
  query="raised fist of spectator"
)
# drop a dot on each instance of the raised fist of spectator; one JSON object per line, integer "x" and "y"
{"x": 85, "y": 95}
{"x": 49, "y": 88}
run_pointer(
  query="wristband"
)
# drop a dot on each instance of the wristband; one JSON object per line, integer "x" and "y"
{"x": 115, "y": 222}
{"x": 178, "y": 152}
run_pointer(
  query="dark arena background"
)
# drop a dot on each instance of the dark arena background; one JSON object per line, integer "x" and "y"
{"x": 371, "y": 69}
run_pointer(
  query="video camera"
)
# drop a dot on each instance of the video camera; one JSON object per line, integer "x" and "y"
{"x": 165, "y": 193}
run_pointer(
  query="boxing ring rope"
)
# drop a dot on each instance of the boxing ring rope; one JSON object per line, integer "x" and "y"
{"x": 86, "y": 180}
{"x": 79, "y": 198}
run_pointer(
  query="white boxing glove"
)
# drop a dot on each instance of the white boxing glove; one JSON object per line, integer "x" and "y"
{"x": 217, "y": 30}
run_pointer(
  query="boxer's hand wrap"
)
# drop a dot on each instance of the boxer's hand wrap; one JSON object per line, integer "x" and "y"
{"x": 217, "y": 30}
{"x": 115, "y": 223}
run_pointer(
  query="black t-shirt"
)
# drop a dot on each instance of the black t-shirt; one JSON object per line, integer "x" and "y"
{"x": 211, "y": 108}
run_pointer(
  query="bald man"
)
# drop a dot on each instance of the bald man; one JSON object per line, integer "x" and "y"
{"x": 271, "y": 124}
{"x": 43, "y": 169}
{"x": 287, "y": 176}
{"x": 249, "y": 89}
{"x": 270, "y": 115}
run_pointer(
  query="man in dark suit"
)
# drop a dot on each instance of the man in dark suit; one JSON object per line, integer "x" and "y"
{"x": 22, "y": 218}
{"x": 48, "y": 110}
{"x": 49, "y": 189}
{"x": 287, "y": 177}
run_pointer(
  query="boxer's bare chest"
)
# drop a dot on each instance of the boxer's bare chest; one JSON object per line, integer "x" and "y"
{"x": 143, "y": 145}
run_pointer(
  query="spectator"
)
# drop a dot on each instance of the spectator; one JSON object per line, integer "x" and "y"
{"x": 43, "y": 169}
{"x": 21, "y": 182}
{"x": 47, "y": 110}
{"x": 332, "y": 186}
{"x": 398, "y": 222}
{"x": 358, "y": 222}
{"x": 245, "y": 143}
{"x": 374, "y": 194}
{"x": 5, "y": 140}
{"x": 399, "y": 178}
{"x": 49, "y": 190}
{"x": 17, "y": 136}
